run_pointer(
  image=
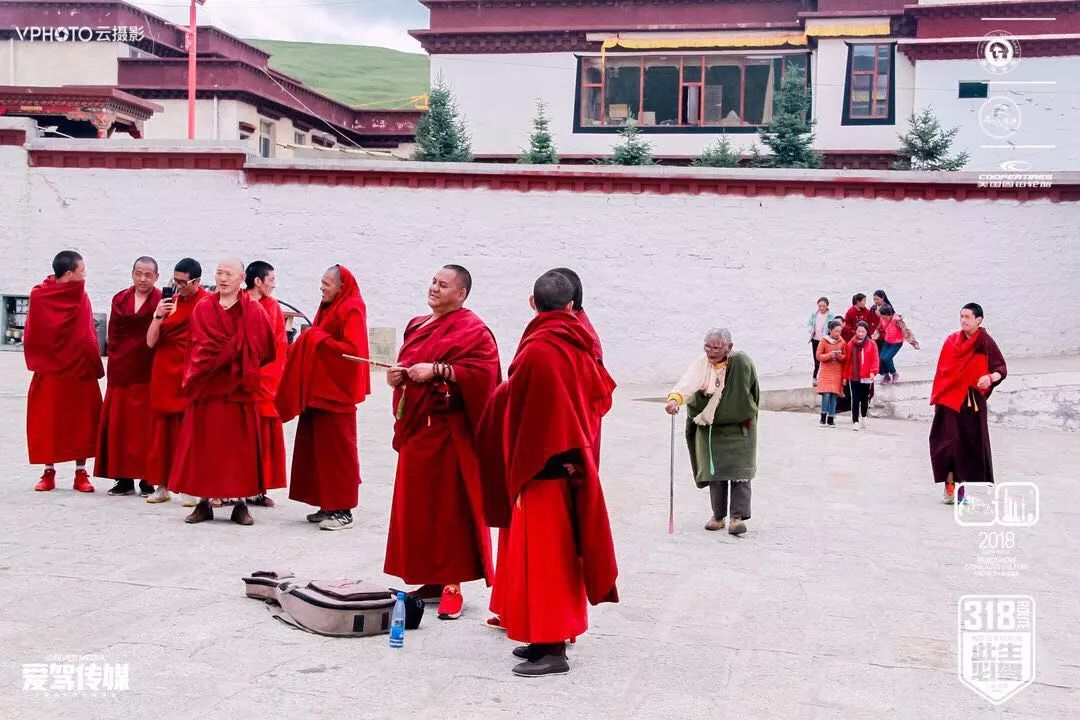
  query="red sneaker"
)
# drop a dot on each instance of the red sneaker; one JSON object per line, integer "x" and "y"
{"x": 494, "y": 622}
{"x": 48, "y": 481}
{"x": 82, "y": 481}
{"x": 451, "y": 604}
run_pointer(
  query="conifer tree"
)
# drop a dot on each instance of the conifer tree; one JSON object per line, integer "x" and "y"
{"x": 441, "y": 135}
{"x": 541, "y": 144}
{"x": 632, "y": 149}
{"x": 790, "y": 135}
{"x": 926, "y": 145}
{"x": 719, "y": 154}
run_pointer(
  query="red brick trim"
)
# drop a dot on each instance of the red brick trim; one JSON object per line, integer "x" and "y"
{"x": 661, "y": 181}
{"x": 136, "y": 160}
{"x": 12, "y": 136}
{"x": 564, "y": 180}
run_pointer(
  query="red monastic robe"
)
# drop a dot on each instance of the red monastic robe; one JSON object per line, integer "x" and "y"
{"x": 504, "y": 535}
{"x": 437, "y": 531}
{"x": 124, "y": 439}
{"x": 271, "y": 434}
{"x": 167, "y": 399}
{"x": 854, "y": 316}
{"x": 960, "y": 433}
{"x": 324, "y": 388}
{"x": 218, "y": 451}
{"x": 60, "y": 345}
{"x": 559, "y": 551}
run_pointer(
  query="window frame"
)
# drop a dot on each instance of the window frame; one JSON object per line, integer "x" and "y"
{"x": 268, "y": 137}
{"x": 744, "y": 59}
{"x": 889, "y": 118}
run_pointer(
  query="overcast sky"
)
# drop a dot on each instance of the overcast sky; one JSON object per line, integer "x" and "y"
{"x": 353, "y": 22}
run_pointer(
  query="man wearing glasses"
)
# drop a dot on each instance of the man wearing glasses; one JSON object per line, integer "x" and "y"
{"x": 720, "y": 391}
{"x": 169, "y": 335}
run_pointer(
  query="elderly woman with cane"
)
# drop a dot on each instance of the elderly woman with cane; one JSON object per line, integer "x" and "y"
{"x": 720, "y": 392}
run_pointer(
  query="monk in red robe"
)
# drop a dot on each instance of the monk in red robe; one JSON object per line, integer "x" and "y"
{"x": 598, "y": 353}
{"x": 541, "y": 482}
{"x": 260, "y": 280}
{"x": 125, "y": 418}
{"x": 168, "y": 335}
{"x": 323, "y": 387}
{"x": 60, "y": 343}
{"x": 218, "y": 453}
{"x": 446, "y": 369}
{"x": 969, "y": 368}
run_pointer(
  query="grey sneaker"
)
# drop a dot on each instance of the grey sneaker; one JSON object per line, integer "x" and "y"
{"x": 547, "y": 665}
{"x": 736, "y": 526}
{"x": 713, "y": 525}
{"x": 159, "y": 496}
{"x": 318, "y": 517}
{"x": 337, "y": 521}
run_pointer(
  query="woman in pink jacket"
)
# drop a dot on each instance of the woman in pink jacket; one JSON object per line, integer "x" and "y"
{"x": 860, "y": 366}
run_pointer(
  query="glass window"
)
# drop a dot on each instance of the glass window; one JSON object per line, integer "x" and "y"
{"x": 682, "y": 90}
{"x": 661, "y": 95}
{"x": 623, "y": 90}
{"x": 870, "y": 78}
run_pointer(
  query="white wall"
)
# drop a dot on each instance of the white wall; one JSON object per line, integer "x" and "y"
{"x": 830, "y": 69}
{"x": 171, "y": 123}
{"x": 69, "y": 63}
{"x": 1049, "y": 112}
{"x": 658, "y": 270}
{"x": 497, "y": 95}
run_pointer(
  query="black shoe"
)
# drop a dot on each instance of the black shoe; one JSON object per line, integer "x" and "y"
{"x": 552, "y": 663}
{"x": 123, "y": 487}
{"x": 822, "y": 419}
{"x": 831, "y": 422}
{"x": 318, "y": 517}
{"x": 201, "y": 513}
{"x": 532, "y": 653}
{"x": 145, "y": 489}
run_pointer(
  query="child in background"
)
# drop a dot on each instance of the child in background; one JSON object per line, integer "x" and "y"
{"x": 818, "y": 327}
{"x": 830, "y": 384}
{"x": 860, "y": 366}
{"x": 893, "y": 331}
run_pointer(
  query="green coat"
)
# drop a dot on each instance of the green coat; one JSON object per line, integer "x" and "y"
{"x": 733, "y": 444}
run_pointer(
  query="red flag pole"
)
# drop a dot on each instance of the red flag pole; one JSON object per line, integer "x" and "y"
{"x": 192, "y": 38}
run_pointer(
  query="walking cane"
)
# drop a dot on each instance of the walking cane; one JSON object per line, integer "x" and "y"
{"x": 671, "y": 484}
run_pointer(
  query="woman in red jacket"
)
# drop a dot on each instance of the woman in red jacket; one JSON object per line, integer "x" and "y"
{"x": 860, "y": 366}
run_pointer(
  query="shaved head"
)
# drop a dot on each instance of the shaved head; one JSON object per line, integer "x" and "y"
{"x": 233, "y": 264}
{"x": 229, "y": 277}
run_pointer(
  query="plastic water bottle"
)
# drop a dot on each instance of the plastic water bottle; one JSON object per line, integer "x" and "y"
{"x": 397, "y": 623}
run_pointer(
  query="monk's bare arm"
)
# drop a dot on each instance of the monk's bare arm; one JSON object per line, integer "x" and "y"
{"x": 153, "y": 332}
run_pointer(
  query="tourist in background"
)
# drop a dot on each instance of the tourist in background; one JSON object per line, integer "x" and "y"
{"x": 892, "y": 332}
{"x": 858, "y": 312}
{"x": 818, "y": 326}
{"x": 830, "y": 382}
{"x": 860, "y": 366}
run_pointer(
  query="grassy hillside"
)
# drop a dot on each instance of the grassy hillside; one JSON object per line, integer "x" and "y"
{"x": 373, "y": 77}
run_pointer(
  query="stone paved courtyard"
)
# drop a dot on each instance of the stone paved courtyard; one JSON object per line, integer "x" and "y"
{"x": 839, "y": 603}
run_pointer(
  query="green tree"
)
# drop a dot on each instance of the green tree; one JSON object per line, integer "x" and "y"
{"x": 926, "y": 145}
{"x": 719, "y": 154}
{"x": 441, "y": 135}
{"x": 632, "y": 148}
{"x": 541, "y": 144}
{"x": 790, "y": 135}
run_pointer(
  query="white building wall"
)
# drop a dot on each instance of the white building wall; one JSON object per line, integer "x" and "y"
{"x": 828, "y": 80}
{"x": 51, "y": 64}
{"x": 658, "y": 270}
{"x": 497, "y": 96}
{"x": 171, "y": 124}
{"x": 1049, "y": 110}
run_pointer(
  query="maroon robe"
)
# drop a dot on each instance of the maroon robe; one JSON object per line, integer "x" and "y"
{"x": 124, "y": 438}
{"x": 559, "y": 551}
{"x": 437, "y": 531}
{"x": 324, "y": 388}
{"x": 960, "y": 433}
{"x": 63, "y": 407}
{"x": 218, "y": 452}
